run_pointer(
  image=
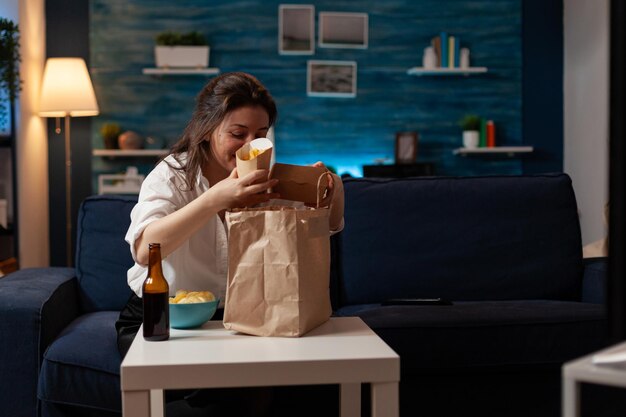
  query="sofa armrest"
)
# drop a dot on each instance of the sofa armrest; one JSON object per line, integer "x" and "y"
{"x": 35, "y": 305}
{"x": 594, "y": 280}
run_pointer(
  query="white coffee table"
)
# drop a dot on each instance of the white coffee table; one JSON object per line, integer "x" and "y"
{"x": 606, "y": 367}
{"x": 342, "y": 351}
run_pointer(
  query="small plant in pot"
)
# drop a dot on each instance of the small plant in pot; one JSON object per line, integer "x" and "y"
{"x": 9, "y": 68}
{"x": 470, "y": 124}
{"x": 181, "y": 50}
{"x": 110, "y": 132}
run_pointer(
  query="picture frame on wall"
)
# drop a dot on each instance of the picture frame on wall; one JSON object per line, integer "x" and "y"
{"x": 343, "y": 30}
{"x": 296, "y": 29}
{"x": 406, "y": 147}
{"x": 331, "y": 78}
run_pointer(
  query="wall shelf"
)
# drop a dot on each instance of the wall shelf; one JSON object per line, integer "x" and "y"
{"x": 419, "y": 71}
{"x": 498, "y": 150}
{"x": 130, "y": 152}
{"x": 181, "y": 71}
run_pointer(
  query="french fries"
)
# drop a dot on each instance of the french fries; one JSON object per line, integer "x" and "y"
{"x": 189, "y": 297}
{"x": 252, "y": 154}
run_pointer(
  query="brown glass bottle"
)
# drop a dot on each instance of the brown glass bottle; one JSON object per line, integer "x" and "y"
{"x": 156, "y": 308}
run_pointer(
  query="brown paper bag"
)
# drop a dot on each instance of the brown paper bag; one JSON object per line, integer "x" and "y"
{"x": 278, "y": 270}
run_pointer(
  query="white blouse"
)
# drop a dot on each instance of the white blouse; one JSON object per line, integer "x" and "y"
{"x": 201, "y": 262}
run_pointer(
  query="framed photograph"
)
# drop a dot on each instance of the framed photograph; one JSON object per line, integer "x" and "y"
{"x": 406, "y": 147}
{"x": 343, "y": 30}
{"x": 331, "y": 78}
{"x": 296, "y": 29}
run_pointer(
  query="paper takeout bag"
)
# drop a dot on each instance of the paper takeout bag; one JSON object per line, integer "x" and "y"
{"x": 278, "y": 270}
{"x": 300, "y": 183}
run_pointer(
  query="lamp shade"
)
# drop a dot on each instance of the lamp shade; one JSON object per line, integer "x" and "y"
{"x": 66, "y": 89}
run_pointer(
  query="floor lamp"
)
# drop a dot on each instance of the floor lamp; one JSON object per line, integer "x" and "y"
{"x": 66, "y": 91}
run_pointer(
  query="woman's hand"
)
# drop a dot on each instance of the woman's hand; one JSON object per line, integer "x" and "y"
{"x": 176, "y": 228}
{"x": 248, "y": 191}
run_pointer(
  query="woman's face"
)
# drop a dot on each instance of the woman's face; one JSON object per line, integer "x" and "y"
{"x": 239, "y": 127}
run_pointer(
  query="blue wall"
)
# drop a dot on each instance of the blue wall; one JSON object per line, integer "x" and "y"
{"x": 345, "y": 133}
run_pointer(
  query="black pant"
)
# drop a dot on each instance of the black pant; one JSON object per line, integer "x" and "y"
{"x": 127, "y": 325}
{"x": 220, "y": 402}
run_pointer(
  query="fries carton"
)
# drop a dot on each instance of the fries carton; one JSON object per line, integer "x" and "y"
{"x": 254, "y": 155}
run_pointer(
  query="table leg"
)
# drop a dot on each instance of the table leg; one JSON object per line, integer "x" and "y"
{"x": 350, "y": 400}
{"x": 156, "y": 403}
{"x": 136, "y": 403}
{"x": 571, "y": 398}
{"x": 385, "y": 399}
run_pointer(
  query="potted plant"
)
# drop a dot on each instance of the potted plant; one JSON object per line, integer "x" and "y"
{"x": 110, "y": 132}
{"x": 470, "y": 124}
{"x": 181, "y": 50}
{"x": 9, "y": 70}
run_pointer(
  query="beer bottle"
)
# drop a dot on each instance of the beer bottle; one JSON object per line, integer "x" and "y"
{"x": 156, "y": 308}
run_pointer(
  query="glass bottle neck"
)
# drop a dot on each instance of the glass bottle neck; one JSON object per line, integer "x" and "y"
{"x": 154, "y": 261}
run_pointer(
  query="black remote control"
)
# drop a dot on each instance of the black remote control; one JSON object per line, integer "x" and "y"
{"x": 416, "y": 302}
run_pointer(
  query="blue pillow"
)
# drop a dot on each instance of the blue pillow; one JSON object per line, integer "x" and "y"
{"x": 466, "y": 238}
{"x": 102, "y": 255}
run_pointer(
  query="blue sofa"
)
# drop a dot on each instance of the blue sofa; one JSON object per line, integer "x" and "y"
{"x": 505, "y": 250}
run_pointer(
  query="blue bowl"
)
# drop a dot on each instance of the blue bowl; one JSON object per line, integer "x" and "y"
{"x": 187, "y": 316}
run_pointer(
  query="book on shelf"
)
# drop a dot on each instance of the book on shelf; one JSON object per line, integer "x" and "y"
{"x": 447, "y": 49}
{"x": 436, "y": 44}
{"x": 491, "y": 134}
{"x": 444, "y": 49}
{"x": 483, "y": 134}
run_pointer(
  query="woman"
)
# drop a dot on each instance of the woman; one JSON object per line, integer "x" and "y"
{"x": 182, "y": 201}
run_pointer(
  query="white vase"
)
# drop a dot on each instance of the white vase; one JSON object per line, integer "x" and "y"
{"x": 470, "y": 139}
{"x": 465, "y": 58}
{"x": 181, "y": 56}
{"x": 429, "y": 59}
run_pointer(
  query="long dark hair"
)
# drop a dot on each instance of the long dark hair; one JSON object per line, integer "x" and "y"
{"x": 219, "y": 97}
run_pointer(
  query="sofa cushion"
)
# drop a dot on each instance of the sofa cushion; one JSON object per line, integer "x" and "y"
{"x": 102, "y": 255}
{"x": 486, "y": 334}
{"x": 82, "y": 366}
{"x": 469, "y": 238}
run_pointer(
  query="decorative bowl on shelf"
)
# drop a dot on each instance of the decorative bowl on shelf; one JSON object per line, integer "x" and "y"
{"x": 130, "y": 140}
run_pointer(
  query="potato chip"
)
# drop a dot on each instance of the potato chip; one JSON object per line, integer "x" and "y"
{"x": 208, "y": 295}
{"x": 180, "y": 294}
{"x": 190, "y": 297}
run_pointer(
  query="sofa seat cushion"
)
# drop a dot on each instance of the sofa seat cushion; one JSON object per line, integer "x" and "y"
{"x": 82, "y": 366}
{"x": 486, "y": 334}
